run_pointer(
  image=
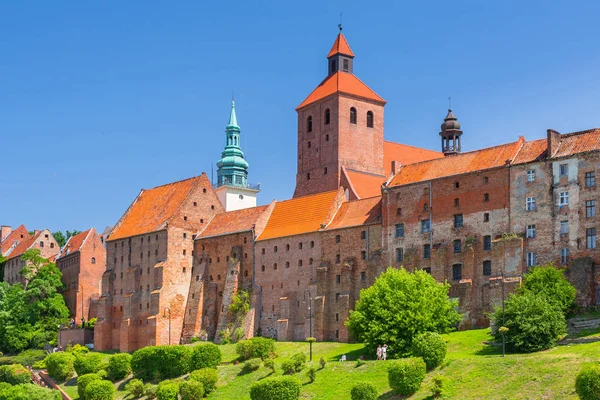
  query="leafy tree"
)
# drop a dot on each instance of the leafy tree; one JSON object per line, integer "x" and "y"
{"x": 550, "y": 282}
{"x": 399, "y": 306}
{"x": 62, "y": 238}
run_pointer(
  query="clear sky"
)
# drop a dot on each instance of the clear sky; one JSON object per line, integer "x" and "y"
{"x": 101, "y": 99}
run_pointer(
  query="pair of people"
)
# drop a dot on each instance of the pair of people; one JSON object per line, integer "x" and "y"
{"x": 382, "y": 352}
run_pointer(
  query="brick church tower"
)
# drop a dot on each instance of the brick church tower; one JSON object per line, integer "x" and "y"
{"x": 340, "y": 125}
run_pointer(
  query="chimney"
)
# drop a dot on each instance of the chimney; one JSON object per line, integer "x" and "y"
{"x": 553, "y": 142}
{"x": 5, "y": 230}
{"x": 396, "y": 167}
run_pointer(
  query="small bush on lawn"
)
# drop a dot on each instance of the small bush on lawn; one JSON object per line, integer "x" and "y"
{"x": 363, "y": 391}
{"x": 119, "y": 366}
{"x": 191, "y": 390}
{"x": 437, "y": 386}
{"x": 83, "y": 381}
{"x": 150, "y": 390}
{"x": 206, "y": 355}
{"x": 135, "y": 388}
{"x": 14, "y": 374}
{"x": 280, "y": 388}
{"x": 29, "y": 357}
{"x": 167, "y": 390}
{"x": 161, "y": 362}
{"x": 208, "y": 377}
{"x": 269, "y": 363}
{"x": 77, "y": 349}
{"x": 360, "y": 362}
{"x": 311, "y": 373}
{"x": 299, "y": 360}
{"x": 102, "y": 374}
{"x": 430, "y": 346}
{"x": 99, "y": 390}
{"x": 406, "y": 375}
{"x": 288, "y": 367}
{"x": 587, "y": 383}
{"x": 251, "y": 365}
{"x": 27, "y": 391}
{"x": 322, "y": 362}
{"x": 87, "y": 363}
{"x": 60, "y": 366}
{"x": 257, "y": 347}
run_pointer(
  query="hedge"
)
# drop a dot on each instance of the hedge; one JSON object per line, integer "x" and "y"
{"x": 280, "y": 388}
{"x": 406, "y": 375}
{"x": 87, "y": 363}
{"x": 119, "y": 366}
{"x": 83, "y": 381}
{"x": 205, "y": 355}
{"x": 587, "y": 383}
{"x": 257, "y": 347}
{"x": 208, "y": 377}
{"x": 60, "y": 366}
{"x": 99, "y": 390}
{"x": 29, "y": 357}
{"x": 191, "y": 390}
{"x": 363, "y": 391}
{"x": 27, "y": 391}
{"x": 15, "y": 374}
{"x": 161, "y": 362}
{"x": 430, "y": 346}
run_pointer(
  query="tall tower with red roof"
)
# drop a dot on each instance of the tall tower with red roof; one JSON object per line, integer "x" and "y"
{"x": 340, "y": 126}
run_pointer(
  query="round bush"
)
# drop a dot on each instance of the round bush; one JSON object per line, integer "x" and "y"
{"x": 60, "y": 366}
{"x": 587, "y": 383}
{"x": 119, "y": 366}
{"x": 406, "y": 375}
{"x": 27, "y": 391}
{"x": 14, "y": 374}
{"x": 167, "y": 391}
{"x": 150, "y": 390}
{"x": 99, "y": 390}
{"x": 280, "y": 388}
{"x": 208, "y": 377}
{"x": 206, "y": 355}
{"x": 243, "y": 348}
{"x": 430, "y": 346}
{"x": 262, "y": 347}
{"x": 135, "y": 388}
{"x": 161, "y": 362}
{"x": 83, "y": 381}
{"x": 87, "y": 363}
{"x": 288, "y": 367}
{"x": 251, "y": 365}
{"x": 191, "y": 390}
{"x": 363, "y": 391}
{"x": 269, "y": 363}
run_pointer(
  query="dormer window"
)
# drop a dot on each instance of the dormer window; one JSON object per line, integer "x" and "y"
{"x": 327, "y": 117}
{"x": 309, "y": 124}
{"x": 353, "y": 115}
{"x": 369, "y": 119}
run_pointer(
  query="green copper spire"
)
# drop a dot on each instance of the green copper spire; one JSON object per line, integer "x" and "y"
{"x": 233, "y": 168}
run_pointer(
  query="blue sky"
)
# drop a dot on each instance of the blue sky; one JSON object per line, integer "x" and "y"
{"x": 100, "y": 100}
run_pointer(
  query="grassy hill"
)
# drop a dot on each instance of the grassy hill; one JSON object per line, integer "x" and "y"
{"x": 472, "y": 371}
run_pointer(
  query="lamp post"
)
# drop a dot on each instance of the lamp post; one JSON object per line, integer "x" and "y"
{"x": 502, "y": 331}
{"x": 165, "y": 316}
{"x": 81, "y": 291}
{"x": 309, "y": 319}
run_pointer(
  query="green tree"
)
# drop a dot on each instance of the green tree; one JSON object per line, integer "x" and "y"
{"x": 399, "y": 306}
{"x": 550, "y": 282}
{"x": 62, "y": 238}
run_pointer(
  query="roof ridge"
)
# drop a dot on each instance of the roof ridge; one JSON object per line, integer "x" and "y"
{"x": 172, "y": 183}
{"x": 579, "y": 132}
{"x": 363, "y": 199}
{"x": 412, "y": 147}
{"x": 364, "y": 172}
{"x": 307, "y": 196}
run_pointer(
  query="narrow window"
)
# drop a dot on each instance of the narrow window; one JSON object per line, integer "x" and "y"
{"x": 590, "y": 234}
{"x": 312, "y": 244}
{"x": 184, "y": 235}
{"x": 274, "y": 249}
{"x": 337, "y": 259}
{"x": 287, "y": 247}
{"x": 299, "y": 263}
{"x": 345, "y": 64}
{"x": 425, "y": 207}
{"x": 399, "y": 230}
{"x": 325, "y": 171}
{"x": 425, "y": 226}
{"x": 41, "y": 244}
{"x": 487, "y": 267}
{"x": 369, "y": 119}
{"x": 486, "y": 197}
{"x": 338, "y": 279}
{"x": 530, "y": 175}
{"x": 590, "y": 208}
{"x": 487, "y": 242}
{"x": 590, "y": 179}
{"x": 363, "y": 255}
{"x": 564, "y": 256}
{"x": 399, "y": 211}
{"x": 327, "y": 117}
{"x": 456, "y": 202}
{"x": 486, "y": 179}
{"x": 185, "y": 217}
{"x": 263, "y": 250}
{"x": 564, "y": 169}
{"x": 327, "y": 137}
{"x": 486, "y": 217}
{"x": 457, "y": 272}
{"x": 564, "y": 227}
{"x": 309, "y": 144}
{"x": 457, "y": 246}
{"x": 93, "y": 260}
{"x": 531, "y": 231}
{"x": 309, "y": 124}
{"x": 530, "y": 204}
{"x": 310, "y": 261}
{"x": 363, "y": 276}
{"x": 195, "y": 204}
{"x": 563, "y": 199}
{"x": 531, "y": 259}
{"x": 308, "y": 176}
{"x": 399, "y": 254}
{"x": 338, "y": 238}
{"x": 426, "y": 251}
{"x": 337, "y": 317}
{"x": 456, "y": 185}
{"x": 458, "y": 220}
{"x": 363, "y": 234}
{"x": 275, "y": 266}
{"x": 262, "y": 268}
{"x": 353, "y": 115}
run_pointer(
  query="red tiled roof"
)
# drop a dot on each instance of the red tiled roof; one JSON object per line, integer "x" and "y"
{"x": 233, "y": 221}
{"x": 472, "y": 161}
{"x": 74, "y": 243}
{"x": 364, "y": 184}
{"x": 341, "y": 82}
{"x": 300, "y": 215}
{"x": 405, "y": 155}
{"x": 531, "y": 151}
{"x": 153, "y": 207}
{"x": 357, "y": 212}
{"x": 14, "y": 236}
{"x": 340, "y": 46}
{"x": 578, "y": 142}
{"x": 23, "y": 246}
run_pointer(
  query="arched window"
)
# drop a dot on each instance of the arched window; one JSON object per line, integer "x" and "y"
{"x": 369, "y": 119}
{"x": 309, "y": 124}
{"x": 327, "y": 117}
{"x": 93, "y": 260}
{"x": 352, "y": 115}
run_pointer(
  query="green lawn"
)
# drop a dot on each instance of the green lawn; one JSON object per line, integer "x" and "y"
{"x": 472, "y": 371}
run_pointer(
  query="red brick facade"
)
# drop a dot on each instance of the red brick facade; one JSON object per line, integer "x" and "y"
{"x": 41, "y": 240}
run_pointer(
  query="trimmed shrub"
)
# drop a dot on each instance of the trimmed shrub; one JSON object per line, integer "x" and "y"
{"x": 29, "y": 357}
{"x": 406, "y": 375}
{"x": 135, "y": 388}
{"x": 87, "y": 363}
{"x": 99, "y": 390}
{"x": 77, "y": 349}
{"x": 15, "y": 374}
{"x": 269, "y": 363}
{"x": 150, "y": 390}
{"x": 587, "y": 383}
{"x": 322, "y": 362}
{"x": 288, "y": 367}
{"x": 251, "y": 365}
{"x": 257, "y": 347}
{"x": 208, "y": 377}
{"x": 119, "y": 366}
{"x": 243, "y": 349}
{"x": 430, "y": 346}
{"x": 161, "y": 362}
{"x": 363, "y": 391}
{"x": 60, "y": 366}
{"x": 102, "y": 374}
{"x": 191, "y": 390}
{"x": 83, "y": 381}
{"x": 27, "y": 391}
{"x": 206, "y": 355}
{"x": 167, "y": 390}
{"x": 299, "y": 360}
{"x": 39, "y": 364}
{"x": 311, "y": 373}
{"x": 280, "y": 388}
{"x": 437, "y": 386}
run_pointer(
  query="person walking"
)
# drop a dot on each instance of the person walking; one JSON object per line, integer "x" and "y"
{"x": 379, "y": 352}
{"x": 384, "y": 352}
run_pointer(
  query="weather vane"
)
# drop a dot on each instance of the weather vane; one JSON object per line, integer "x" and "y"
{"x": 449, "y": 102}
{"x": 340, "y": 24}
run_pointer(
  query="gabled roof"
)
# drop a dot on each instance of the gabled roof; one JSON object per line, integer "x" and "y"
{"x": 340, "y": 46}
{"x": 578, "y": 142}
{"x": 364, "y": 184}
{"x": 154, "y": 207}
{"x": 300, "y": 215}
{"x": 405, "y": 155}
{"x": 532, "y": 151}
{"x": 23, "y": 246}
{"x": 74, "y": 243}
{"x": 233, "y": 221}
{"x": 341, "y": 82}
{"x": 473, "y": 161}
{"x": 357, "y": 213}
{"x": 17, "y": 235}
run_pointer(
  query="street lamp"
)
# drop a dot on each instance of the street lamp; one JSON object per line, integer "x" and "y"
{"x": 82, "y": 317}
{"x": 309, "y": 319}
{"x": 502, "y": 330}
{"x": 165, "y": 316}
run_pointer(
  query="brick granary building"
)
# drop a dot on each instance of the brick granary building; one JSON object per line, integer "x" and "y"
{"x": 477, "y": 220}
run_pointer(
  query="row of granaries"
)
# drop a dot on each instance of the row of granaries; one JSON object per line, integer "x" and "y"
{"x": 477, "y": 220}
